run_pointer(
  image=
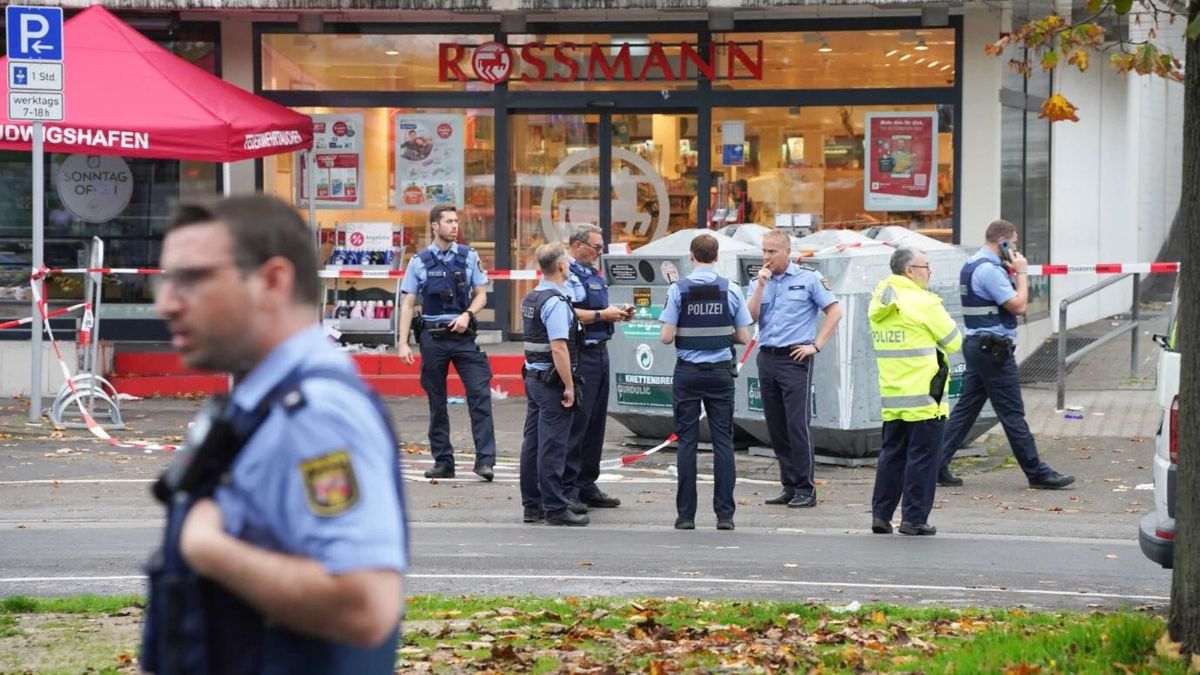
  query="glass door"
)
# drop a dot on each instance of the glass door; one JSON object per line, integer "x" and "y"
{"x": 654, "y": 176}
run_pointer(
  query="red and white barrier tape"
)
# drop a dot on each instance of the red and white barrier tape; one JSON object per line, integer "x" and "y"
{"x": 92, "y": 426}
{"x": 48, "y": 315}
{"x": 1104, "y": 268}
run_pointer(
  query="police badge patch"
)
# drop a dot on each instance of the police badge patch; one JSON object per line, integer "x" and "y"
{"x": 825, "y": 282}
{"x": 329, "y": 483}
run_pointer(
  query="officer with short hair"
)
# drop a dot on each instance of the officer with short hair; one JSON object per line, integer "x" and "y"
{"x": 590, "y": 295}
{"x": 450, "y": 279}
{"x": 991, "y": 305}
{"x": 705, "y": 317}
{"x": 552, "y": 336}
{"x": 912, "y": 334}
{"x": 302, "y": 545}
{"x": 785, "y": 299}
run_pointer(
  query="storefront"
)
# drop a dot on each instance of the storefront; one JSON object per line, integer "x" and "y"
{"x": 681, "y": 127}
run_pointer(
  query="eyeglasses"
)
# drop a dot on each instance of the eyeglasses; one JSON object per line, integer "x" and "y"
{"x": 184, "y": 280}
{"x": 923, "y": 267}
{"x": 598, "y": 248}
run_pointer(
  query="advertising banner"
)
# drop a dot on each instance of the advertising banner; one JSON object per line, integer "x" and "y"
{"x": 901, "y": 166}
{"x": 430, "y": 154}
{"x": 338, "y": 153}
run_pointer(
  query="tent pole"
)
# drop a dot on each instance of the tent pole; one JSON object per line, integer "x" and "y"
{"x": 39, "y": 244}
{"x": 226, "y": 179}
{"x": 311, "y": 159}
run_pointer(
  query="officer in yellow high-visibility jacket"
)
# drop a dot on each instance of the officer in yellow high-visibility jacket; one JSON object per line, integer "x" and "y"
{"x": 912, "y": 334}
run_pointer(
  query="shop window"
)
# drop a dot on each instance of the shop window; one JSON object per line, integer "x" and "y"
{"x": 921, "y": 57}
{"x": 411, "y": 160}
{"x": 807, "y": 167}
{"x": 354, "y": 62}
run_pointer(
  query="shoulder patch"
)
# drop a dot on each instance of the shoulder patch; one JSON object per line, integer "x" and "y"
{"x": 329, "y": 483}
{"x": 825, "y": 282}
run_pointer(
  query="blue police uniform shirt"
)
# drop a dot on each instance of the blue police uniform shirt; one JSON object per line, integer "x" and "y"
{"x": 415, "y": 275}
{"x": 557, "y": 316}
{"x": 268, "y": 502}
{"x": 577, "y": 293}
{"x": 670, "y": 316}
{"x": 790, "y": 307}
{"x": 992, "y": 282}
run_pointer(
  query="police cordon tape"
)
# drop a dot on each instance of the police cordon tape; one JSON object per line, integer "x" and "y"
{"x": 90, "y": 422}
{"x": 48, "y": 315}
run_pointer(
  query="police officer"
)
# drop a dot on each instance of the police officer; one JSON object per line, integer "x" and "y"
{"x": 590, "y": 297}
{"x": 450, "y": 279}
{"x": 704, "y": 316}
{"x": 912, "y": 334}
{"x": 991, "y": 305}
{"x": 552, "y": 335}
{"x": 785, "y": 299}
{"x": 306, "y": 531}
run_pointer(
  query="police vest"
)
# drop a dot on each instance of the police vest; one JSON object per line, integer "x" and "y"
{"x": 195, "y": 627}
{"x": 911, "y": 332}
{"x": 978, "y": 311}
{"x": 706, "y": 318}
{"x": 445, "y": 290}
{"x": 597, "y": 299}
{"x": 537, "y": 338}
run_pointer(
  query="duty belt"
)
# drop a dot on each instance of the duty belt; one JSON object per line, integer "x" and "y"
{"x": 782, "y": 350}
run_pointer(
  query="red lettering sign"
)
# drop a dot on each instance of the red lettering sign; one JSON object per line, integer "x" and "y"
{"x": 493, "y": 62}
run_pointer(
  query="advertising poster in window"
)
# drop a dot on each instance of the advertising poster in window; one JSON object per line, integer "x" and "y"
{"x": 338, "y": 143}
{"x": 901, "y": 167}
{"x": 430, "y": 151}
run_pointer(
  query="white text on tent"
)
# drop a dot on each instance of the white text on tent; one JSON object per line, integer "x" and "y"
{"x": 96, "y": 138}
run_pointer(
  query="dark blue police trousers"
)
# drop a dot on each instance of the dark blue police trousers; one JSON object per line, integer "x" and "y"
{"x": 544, "y": 450}
{"x": 995, "y": 379}
{"x": 476, "y": 374}
{"x": 908, "y": 466}
{"x": 585, "y": 445}
{"x": 785, "y": 385}
{"x": 710, "y": 384}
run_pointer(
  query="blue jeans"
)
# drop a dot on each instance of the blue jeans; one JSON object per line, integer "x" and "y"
{"x": 585, "y": 445}
{"x": 710, "y": 384}
{"x": 476, "y": 374}
{"x": 908, "y": 466}
{"x": 990, "y": 378}
{"x": 544, "y": 450}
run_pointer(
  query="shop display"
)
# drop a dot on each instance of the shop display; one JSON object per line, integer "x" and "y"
{"x": 430, "y": 156}
{"x": 338, "y": 156}
{"x": 901, "y": 168}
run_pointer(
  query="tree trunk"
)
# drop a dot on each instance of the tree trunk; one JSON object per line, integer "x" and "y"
{"x": 1185, "y": 587}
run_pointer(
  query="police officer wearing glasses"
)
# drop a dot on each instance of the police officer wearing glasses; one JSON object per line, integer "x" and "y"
{"x": 590, "y": 297}
{"x": 552, "y": 335}
{"x": 285, "y": 545}
{"x": 991, "y": 303}
{"x": 786, "y": 299}
{"x": 704, "y": 316}
{"x": 450, "y": 279}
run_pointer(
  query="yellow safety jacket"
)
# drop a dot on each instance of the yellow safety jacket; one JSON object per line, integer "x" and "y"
{"x": 912, "y": 334}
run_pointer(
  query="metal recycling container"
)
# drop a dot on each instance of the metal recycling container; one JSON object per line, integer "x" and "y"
{"x": 846, "y": 423}
{"x": 641, "y": 366}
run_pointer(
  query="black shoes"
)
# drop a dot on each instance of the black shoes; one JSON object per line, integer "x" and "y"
{"x": 577, "y": 507}
{"x": 923, "y": 529}
{"x": 724, "y": 524}
{"x": 803, "y": 501}
{"x": 947, "y": 479}
{"x": 599, "y": 500}
{"x": 1052, "y": 481}
{"x": 681, "y": 524}
{"x": 485, "y": 472}
{"x": 565, "y": 517}
{"x": 782, "y": 498}
{"x": 880, "y": 526}
{"x": 441, "y": 470}
{"x": 533, "y": 515}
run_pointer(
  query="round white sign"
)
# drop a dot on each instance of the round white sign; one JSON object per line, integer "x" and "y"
{"x": 94, "y": 188}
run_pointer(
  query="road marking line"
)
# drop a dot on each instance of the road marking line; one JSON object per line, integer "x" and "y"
{"x": 691, "y": 581}
{"x": 75, "y": 481}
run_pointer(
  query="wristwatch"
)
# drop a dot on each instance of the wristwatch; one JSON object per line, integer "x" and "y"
{"x": 471, "y": 314}
{"x": 596, "y": 316}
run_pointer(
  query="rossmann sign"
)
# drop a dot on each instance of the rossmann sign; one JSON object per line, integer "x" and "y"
{"x": 495, "y": 62}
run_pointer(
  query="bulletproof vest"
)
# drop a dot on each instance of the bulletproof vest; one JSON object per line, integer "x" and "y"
{"x": 537, "y": 338}
{"x": 597, "y": 298}
{"x": 978, "y": 311}
{"x": 446, "y": 290}
{"x": 194, "y": 626}
{"x": 705, "y": 316}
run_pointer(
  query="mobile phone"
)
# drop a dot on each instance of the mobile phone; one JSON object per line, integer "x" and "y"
{"x": 1005, "y": 252}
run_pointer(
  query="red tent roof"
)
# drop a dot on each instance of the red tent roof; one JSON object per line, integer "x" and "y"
{"x": 127, "y": 96}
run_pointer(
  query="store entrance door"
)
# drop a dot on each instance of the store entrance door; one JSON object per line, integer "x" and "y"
{"x": 563, "y": 163}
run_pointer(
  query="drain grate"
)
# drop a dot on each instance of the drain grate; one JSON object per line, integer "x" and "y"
{"x": 1042, "y": 364}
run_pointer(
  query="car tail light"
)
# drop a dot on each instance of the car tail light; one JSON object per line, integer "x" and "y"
{"x": 1165, "y": 534}
{"x": 1174, "y": 436}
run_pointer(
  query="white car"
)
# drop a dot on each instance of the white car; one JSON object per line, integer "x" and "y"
{"x": 1156, "y": 532}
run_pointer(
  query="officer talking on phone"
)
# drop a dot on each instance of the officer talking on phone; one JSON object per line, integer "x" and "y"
{"x": 991, "y": 303}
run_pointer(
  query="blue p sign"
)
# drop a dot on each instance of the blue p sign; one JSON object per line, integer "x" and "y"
{"x": 34, "y": 33}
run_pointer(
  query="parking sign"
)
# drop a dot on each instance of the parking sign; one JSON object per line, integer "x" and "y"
{"x": 34, "y": 33}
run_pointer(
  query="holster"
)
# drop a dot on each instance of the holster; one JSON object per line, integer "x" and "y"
{"x": 418, "y": 326}
{"x": 999, "y": 348}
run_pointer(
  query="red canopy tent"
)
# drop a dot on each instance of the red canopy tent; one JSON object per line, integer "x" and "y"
{"x": 129, "y": 97}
